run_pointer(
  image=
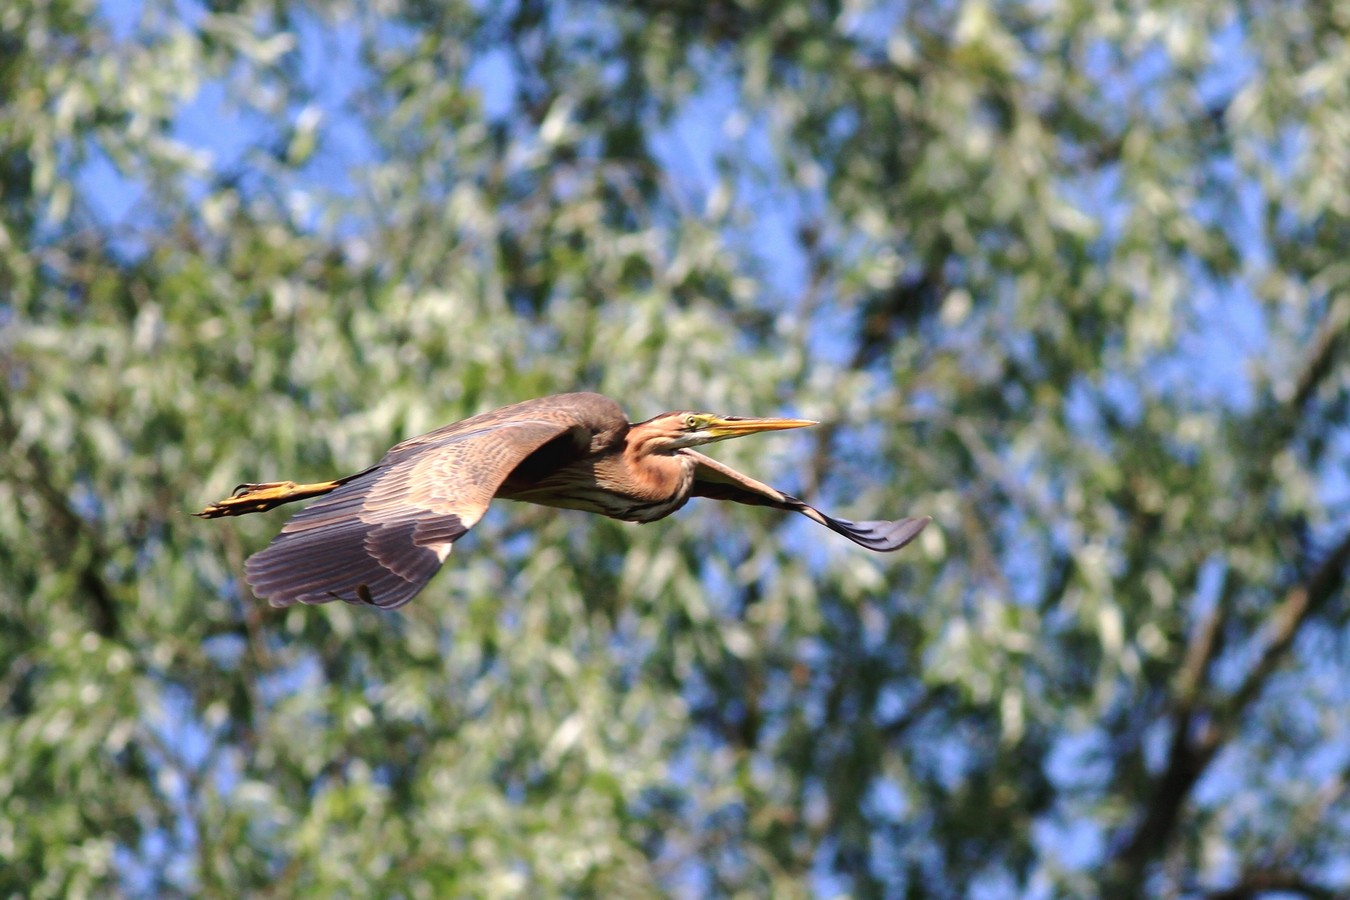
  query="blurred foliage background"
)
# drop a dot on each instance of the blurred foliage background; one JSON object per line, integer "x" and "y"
{"x": 1071, "y": 277}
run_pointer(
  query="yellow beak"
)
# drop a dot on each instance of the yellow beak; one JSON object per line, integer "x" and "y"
{"x": 735, "y": 426}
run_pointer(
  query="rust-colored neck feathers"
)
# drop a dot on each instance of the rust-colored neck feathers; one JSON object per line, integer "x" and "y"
{"x": 648, "y": 471}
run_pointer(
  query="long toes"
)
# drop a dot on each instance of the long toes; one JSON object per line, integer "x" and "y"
{"x": 245, "y": 489}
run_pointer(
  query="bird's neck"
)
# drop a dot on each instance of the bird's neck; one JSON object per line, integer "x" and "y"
{"x": 636, "y": 485}
{"x": 648, "y": 475}
{"x": 621, "y": 481}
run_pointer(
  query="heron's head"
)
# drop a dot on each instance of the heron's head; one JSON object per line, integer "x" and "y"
{"x": 675, "y": 430}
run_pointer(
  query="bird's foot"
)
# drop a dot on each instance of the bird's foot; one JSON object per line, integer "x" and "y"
{"x": 251, "y": 498}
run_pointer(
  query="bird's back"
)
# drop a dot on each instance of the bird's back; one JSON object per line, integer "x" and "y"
{"x": 594, "y": 412}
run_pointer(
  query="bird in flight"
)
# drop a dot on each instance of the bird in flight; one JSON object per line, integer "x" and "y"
{"x": 378, "y": 536}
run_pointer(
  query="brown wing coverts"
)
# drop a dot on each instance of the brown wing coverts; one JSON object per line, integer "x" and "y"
{"x": 380, "y": 537}
{"x": 721, "y": 482}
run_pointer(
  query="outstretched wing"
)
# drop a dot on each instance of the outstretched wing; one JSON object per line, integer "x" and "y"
{"x": 721, "y": 482}
{"x": 380, "y": 537}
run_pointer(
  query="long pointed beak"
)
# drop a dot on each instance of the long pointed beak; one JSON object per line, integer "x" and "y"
{"x": 735, "y": 426}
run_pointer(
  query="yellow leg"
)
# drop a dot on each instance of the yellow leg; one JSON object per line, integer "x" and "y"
{"x": 251, "y": 498}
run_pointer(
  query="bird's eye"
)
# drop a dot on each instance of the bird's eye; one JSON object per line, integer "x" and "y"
{"x": 691, "y": 422}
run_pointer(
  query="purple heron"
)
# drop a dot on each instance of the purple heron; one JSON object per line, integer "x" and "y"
{"x": 378, "y": 536}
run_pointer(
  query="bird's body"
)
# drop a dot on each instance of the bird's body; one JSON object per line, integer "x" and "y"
{"x": 378, "y": 536}
{"x": 598, "y": 479}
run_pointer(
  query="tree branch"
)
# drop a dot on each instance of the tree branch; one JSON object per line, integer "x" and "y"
{"x": 1193, "y": 749}
{"x": 65, "y": 521}
{"x": 1326, "y": 346}
{"x": 1298, "y": 604}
